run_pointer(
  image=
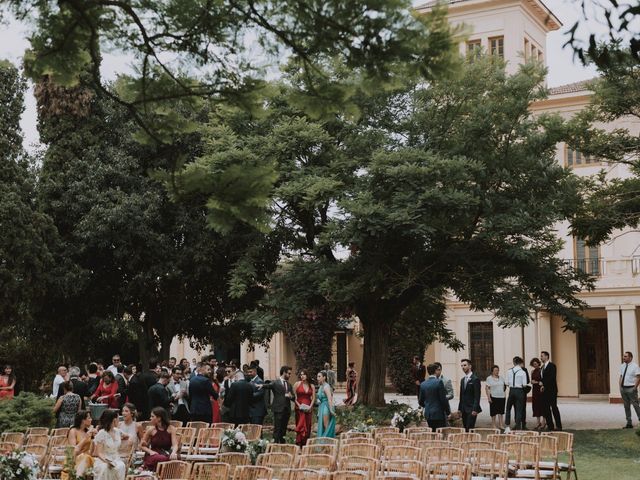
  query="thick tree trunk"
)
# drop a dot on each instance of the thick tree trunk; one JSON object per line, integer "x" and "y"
{"x": 377, "y": 331}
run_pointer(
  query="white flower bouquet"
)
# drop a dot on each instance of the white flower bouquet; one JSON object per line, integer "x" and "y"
{"x": 406, "y": 417}
{"x": 18, "y": 465}
{"x": 234, "y": 441}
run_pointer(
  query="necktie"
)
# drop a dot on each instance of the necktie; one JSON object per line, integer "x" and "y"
{"x": 624, "y": 375}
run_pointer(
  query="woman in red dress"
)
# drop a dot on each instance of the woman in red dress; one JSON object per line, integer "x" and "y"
{"x": 7, "y": 382}
{"x": 215, "y": 404}
{"x": 305, "y": 397}
{"x": 537, "y": 401}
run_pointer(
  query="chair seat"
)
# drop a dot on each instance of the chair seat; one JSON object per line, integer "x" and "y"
{"x": 205, "y": 450}
{"x": 562, "y": 466}
{"x": 531, "y": 473}
{"x": 199, "y": 458}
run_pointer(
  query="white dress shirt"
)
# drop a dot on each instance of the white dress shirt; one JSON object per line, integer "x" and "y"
{"x": 516, "y": 378}
{"x": 632, "y": 372}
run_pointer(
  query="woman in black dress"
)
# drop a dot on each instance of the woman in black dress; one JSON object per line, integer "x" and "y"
{"x": 537, "y": 398}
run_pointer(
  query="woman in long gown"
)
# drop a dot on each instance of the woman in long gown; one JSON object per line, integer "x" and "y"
{"x": 108, "y": 465}
{"x": 352, "y": 381}
{"x": 215, "y": 404}
{"x": 305, "y": 397}
{"x": 7, "y": 382}
{"x": 537, "y": 400}
{"x": 326, "y": 409}
{"x": 160, "y": 442}
{"x": 80, "y": 437}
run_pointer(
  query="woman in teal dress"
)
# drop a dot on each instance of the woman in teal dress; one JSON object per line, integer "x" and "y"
{"x": 326, "y": 409}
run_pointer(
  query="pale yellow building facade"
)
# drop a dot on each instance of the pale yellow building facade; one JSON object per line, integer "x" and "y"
{"x": 588, "y": 362}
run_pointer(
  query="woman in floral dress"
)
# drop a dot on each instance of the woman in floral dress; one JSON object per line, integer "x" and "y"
{"x": 67, "y": 406}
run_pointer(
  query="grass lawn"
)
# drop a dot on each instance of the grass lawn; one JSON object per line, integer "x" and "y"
{"x": 607, "y": 454}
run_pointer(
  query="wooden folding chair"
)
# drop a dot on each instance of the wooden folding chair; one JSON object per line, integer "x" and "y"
{"x": 448, "y": 471}
{"x": 420, "y": 436}
{"x": 488, "y": 463}
{"x": 446, "y": 431}
{"x": 319, "y": 449}
{"x": 187, "y": 437}
{"x": 290, "y": 448}
{"x": 60, "y": 432}
{"x": 251, "y": 431}
{"x": 277, "y": 461}
{"x": 234, "y": 460}
{"x": 359, "y": 450}
{"x": 361, "y": 465}
{"x": 460, "y": 438}
{"x": 304, "y": 474}
{"x": 477, "y": 445}
{"x": 33, "y": 439}
{"x": 396, "y": 452}
{"x": 402, "y": 468}
{"x": 548, "y": 456}
{"x": 173, "y": 470}
{"x": 448, "y": 454}
{"x": 485, "y": 432}
{"x": 208, "y": 441}
{"x": 176, "y": 423}
{"x": 250, "y": 472}
{"x": 55, "y": 460}
{"x": 37, "y": 431}
{"x": 347, "y": 475}
{"x": 58, "y": 441}
{"x": 196, "y": 425}
{"x": 13, "y": 437}
{"x": 565, "y": 449}
{"x": 382, "y": 430}
{"x": 210, "y": 471}
{"x": 524, "y": 460}
{"x": 316, "y": 462}
{"x": 498, "y": 441}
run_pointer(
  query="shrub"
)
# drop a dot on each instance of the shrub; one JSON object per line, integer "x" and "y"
{"x": 26, "y": 410}
{"x": 362, "y": 417}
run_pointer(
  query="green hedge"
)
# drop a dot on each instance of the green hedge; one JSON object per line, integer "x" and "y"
{"x": 24, "y": 411}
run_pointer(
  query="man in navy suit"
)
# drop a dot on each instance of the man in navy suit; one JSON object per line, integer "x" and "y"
{"x": 470, "y": 388}
{"x": 433, "y": 397}
{"x": 550, "y": 392}
{"x": 258, "y": 408}
{"x": 200, "y": 392}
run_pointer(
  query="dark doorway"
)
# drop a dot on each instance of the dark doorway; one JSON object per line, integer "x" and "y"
{"x": 341, "y": 361}
{"x": 481, "y": 348}
{"x": 593, "y": 348}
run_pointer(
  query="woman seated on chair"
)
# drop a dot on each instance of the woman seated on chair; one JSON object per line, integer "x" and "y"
{"x": 80, "y": 437}
{"x": 160, "y": 442}
{"x": 108, "y": 465}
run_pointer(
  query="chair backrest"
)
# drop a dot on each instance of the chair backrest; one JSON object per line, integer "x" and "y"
{"x": 316, "y": 462}
{"x": 348, "y": 475}
{"x": 498, "y": 441}
{"x": 13, "y": 437}
{"x": 187, "y": 438}
{"x": 395, "y": 468}
{"x": 489, "y": 463}
{"x": 485, "y": 432}
{"x": 366, "y": 465}
{"x": 323, "y": 441}
{"x": 523, "y": 454}
{"x": 196, "y": 425}
{"x": 234, "y": 460}
{"x": 346, "y": 435}
{"x": 409, "y": 430}
{"x": 445, "y": 431}
{"x": 58, "y": 441}
{"x": 225, "y": 425}
{"x": 448, "y": 454}
{"x": 460, "y": 438}
{"x": 60, "y": 432}
{"x": 420, "y": 436}
{"x": 396, "y": 452}
{"x": 173, "y": 469}
{"x": 251, "y": 431}
{"x": 476, "y": 445}
{"x": 381, "y": 437}
{"x": 176, "y": 423}
{"x": 382, "y": 430}
{"x": 33, "y": 439}
{"x": 37, "y": 431}
{"x": 304, "y": 474}
{"x": 565, "y": 440}
{"x": 548, "y": 446}
{"x": 350, "y": 440}
{"x": 251, "y": 472}
{"x": 208, "y": 437}
{"x": 210, "y": 471}
{"x": 448, "y": 471}
{"x": 320, "y": 449}
{"x": 359, "y": 450}
{"x": 38, "y": 451}
{"x": 400, "y": 442}
{"x": 283, "y": 447}
{"x": 277, "y": 461}
{"x": 426, "y": 444}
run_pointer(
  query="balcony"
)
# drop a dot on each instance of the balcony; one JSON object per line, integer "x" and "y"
{"x": 592, "y": 266}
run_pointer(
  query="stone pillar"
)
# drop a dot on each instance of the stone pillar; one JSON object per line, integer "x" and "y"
{"x": 629, "y": 329}
{"x": 615, "y": 350}
{"x": 544, "y": 332}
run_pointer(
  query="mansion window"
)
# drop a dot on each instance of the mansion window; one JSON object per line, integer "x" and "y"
{"x": 587, "y": 258}
{"x": 532, "y": 52}
{"x": 474, "y": 49}
{"x": 575, "y": 158}
{"x": 496, "y": 46}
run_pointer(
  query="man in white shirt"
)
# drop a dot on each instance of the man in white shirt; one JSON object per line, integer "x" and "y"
{"x": 516, "y": 381}
{"x": 629, "y": 381}
{"x": 61, "y": 377}
{"x": 113, "y": 368}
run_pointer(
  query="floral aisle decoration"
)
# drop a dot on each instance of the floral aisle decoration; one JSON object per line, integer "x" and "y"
{"x": 256, "y": 448}
{"x": 364, "y": 427}
{"x": 405, "y": 417}
{"x": 18, "y": 465}
{"x": 234, "y": 441}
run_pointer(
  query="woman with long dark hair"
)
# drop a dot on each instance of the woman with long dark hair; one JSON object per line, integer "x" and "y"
{"x": 108, "y": 465}
{"x": 326, "y": 409}
{"x": 215, "y": 403}
{"x": 80, "y": 437}
{"x": 7, "y": 382}
{"x": 305, "y": 397}
{"x": 352, "y": 381}
{"x": 160, "y": 442}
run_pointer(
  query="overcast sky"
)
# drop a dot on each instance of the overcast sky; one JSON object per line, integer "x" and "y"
{"x": 563, "y": 68}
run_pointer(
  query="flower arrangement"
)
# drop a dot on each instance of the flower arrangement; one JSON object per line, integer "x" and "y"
{"x": 234, "y": 441}
{"x": 257, "y": 447}
{"x": 18, "y": 465}
{"x": 405, "y": 417}
{"x": 364, "y": 427}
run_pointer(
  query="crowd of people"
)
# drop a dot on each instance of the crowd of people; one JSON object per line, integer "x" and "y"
{"x": 504, "y": 394}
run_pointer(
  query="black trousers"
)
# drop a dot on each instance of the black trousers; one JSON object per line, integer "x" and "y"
{"x": 551, "y": 411}
{"x": 240, "y": 420}
{"x": 257, "y": 420}
{"x": 280, "y": 423}
{"x": 435, "y": 424}
{"x": 201, "y": 417}
{"x": 468, "y": 420}
{"x": 517, "y": 399}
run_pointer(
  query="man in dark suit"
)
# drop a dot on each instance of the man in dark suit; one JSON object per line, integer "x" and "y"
{"x": 158, "y": 393}
{"x": 200, "y": 392}
{"x": 238, "y": 400}
{"x": 150, "y": 377}
{"x": 549, "y": 391}
{"x": 281, "y": 403}
{"x": 259, "y": 369}
{"x": 258, "y": 409}
{"x": 138, "y": 394}
{"x": 433, "y": 398}
{"x": 470, "y": 388}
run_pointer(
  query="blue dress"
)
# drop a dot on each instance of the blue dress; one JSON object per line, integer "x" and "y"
{"x": 325, "y": 410}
